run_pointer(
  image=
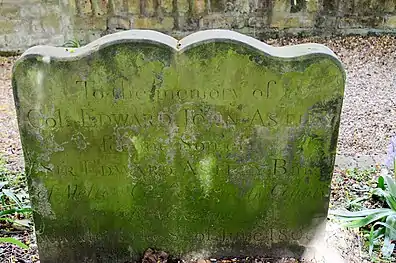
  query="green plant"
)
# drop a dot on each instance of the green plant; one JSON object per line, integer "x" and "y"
{"x": 355, "y": 205}
{"x": 10, "y": 205}
{"x": 13, "y": 241}
{"x": 382, "y": 221}
{"x": 73, "y": 43}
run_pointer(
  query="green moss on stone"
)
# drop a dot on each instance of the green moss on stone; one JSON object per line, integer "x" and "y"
{"x": 207, "y": 149}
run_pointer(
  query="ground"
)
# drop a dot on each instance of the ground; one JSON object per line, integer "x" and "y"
{"x": 368, "y": 121}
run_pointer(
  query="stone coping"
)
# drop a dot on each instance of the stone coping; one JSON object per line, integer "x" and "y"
{"x": 184, "y": 44}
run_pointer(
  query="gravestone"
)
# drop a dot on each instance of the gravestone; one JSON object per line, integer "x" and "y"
{"x": 217, "y": 145}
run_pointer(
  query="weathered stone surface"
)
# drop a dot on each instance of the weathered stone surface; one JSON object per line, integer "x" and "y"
{"x": 217, "y": 144}
{"x": 8, "y": 26}
{"x": 9, "y": 11}
{"x": 67, "y": 18}
{"x": 390, "y": 22}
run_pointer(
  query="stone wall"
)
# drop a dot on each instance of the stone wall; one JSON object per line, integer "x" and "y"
{"x": 24, "y": 23}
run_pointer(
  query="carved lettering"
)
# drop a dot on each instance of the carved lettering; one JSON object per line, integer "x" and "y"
{"x": 272, "y": 118}
{"x": 195, "y": 94}
{"x": 257, "y": 119}
{"x": 34, "y": 119}
{"x": 86, "y": 119}
{"x": 233, "y": 119}
{"x": 95, "y": 93}
{"x": 45, "y": 195}
{"x": 120, "y": 119}
{"x": 268, "y": 87}
{"x": 64, "y": 170}
{"x": 228, "y": 237}
{"x": 124, "y": 92}
{"x": 259, "y": 93}
{"x": 206, "y": 146}
{"x": 91, "y": 119}
{"x": 188, "y": 168}
{"x": 106, "y": 170}
{"x": 175, "y": 144}
{"x": 39, "y": 120}
{"x": 182, "y": 94}
{"x": 278, "y": 191}
{"x": 250, "y": 169}
{"x": 214, "y": 94}
{"x": 104, "y": 119}
{"x": 192, "y": 117}
{"x": 293, "y": 119}
{"x": 253, "y": 195}
{"x": 279, "y": 167}
{"x": 71, "y": 191}
{"x": 273, "y": 167}
{"x": 85, "y": 84}
{"x": 164, "y": 118}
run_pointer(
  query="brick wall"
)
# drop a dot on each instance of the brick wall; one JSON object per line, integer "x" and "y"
{"x": 25, "y": 23}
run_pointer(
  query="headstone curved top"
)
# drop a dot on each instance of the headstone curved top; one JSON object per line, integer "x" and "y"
{"x": 216, "y": 144}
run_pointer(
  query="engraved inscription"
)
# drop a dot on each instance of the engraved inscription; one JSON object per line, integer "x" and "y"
{"x": 210, "y": 146}
{"x": 37, "y": 119}
{"x": 123, "y": 91}
{"x": 200, "y": 117}
{"x": 273, "y": 167}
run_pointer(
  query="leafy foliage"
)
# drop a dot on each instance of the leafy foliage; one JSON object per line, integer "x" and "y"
{"x": 381, "y": 221}
{"x": 10, "y": 205}
{"x": 13, "y": 241}
{"x": 73, "y": 43}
